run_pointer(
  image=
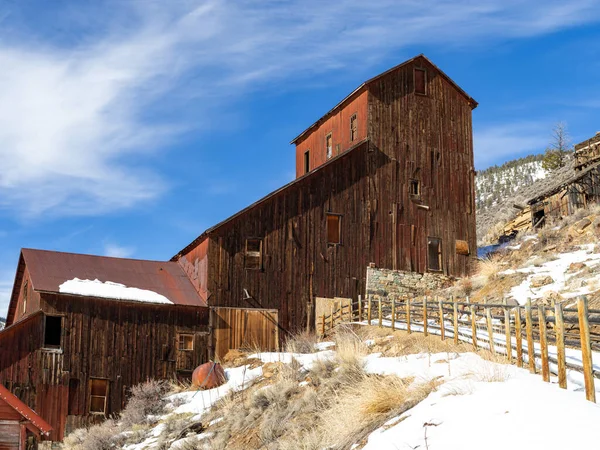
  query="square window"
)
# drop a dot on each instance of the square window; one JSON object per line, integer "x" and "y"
{"x": 353, "y": 127}
{"x": 186, "y": 342}
{"x": 434, "y": 254}
{"x": 98, "y": 395}
{"x": 414, "y": 189}
{"x": 329, "y": 146}
{"x": 52, "y": 331}
{"x": 420, "y": 76}
{"x": 334, "y": 229}
{"x": 253, "y": 254}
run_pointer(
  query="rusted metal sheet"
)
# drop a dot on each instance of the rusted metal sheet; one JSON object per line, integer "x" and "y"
{"x": 48, "y": 270}
{"x": 37, "y": 424}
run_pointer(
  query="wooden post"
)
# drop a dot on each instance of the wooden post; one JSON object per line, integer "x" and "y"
{"x": 529, "y": 330}
{"x": 586, "y": 349}
{"x": 559, "y": 328}
{"x": 393, "y": 313}
{"x": 442, "y": 329}
{"x": 455, "y": 308}
{"x": 490, "y": 330}
{"x": 519, "y": 336}
{"x": 544, "y": 343}
{"x": 331, "y": 319}
{"x": 507, "y": 332}
{"x": 408, "y": 314}
{"x": 370, "y": 309}
{"x": 474, "y": 326}
{"x": 380, "y": 314}
{"x": 323, "y": 325}
{"x": 360, "y": 309}
{"x": 425, "y": 315}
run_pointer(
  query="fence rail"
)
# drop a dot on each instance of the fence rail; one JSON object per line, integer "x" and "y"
{"x": 549, "y": 339}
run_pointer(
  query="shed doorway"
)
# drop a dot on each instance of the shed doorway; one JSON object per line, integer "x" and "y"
{"x": 245, "y": 329}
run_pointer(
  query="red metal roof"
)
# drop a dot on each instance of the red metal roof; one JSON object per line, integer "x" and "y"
{"x": 25, "y": 411}
{"x": 49, "y": 269}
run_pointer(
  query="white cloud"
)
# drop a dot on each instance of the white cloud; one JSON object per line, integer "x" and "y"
{"x": 118, "y": 251}
{"x": 74, "y": 125}
{"x": 497, "y": 143}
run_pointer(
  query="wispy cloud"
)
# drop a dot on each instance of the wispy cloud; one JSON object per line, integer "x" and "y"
{"x": 118, "y": 251}
{"x": 75, "y": 117}
{"x": 499, "y": 142}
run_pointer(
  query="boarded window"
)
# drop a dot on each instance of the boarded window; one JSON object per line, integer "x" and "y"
{"x": 420, "y": 81}
{"x": 52, "y": 331}
{"x": 329, "y": 146}
{"x": 353, "y": 127}
{"x": 98, "y": 395}
{"x": 414, "y": 189}
{"x": 434, "y": 254}
{"x": 25, "y": 297}
{"x": 334, "y": 229}
{"x": 307, "y": 161}
{"x": 186, "y": 342}
{"x": 253, "y": 254}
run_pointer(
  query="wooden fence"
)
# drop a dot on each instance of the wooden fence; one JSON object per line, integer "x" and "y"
{"x": 546, "y": 339}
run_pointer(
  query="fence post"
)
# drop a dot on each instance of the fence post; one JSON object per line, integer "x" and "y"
{"x": 474, "y": 326}
{"x": 370, "y": 309}
{"x": 331, "y": 319}
{"x": 425, "y": 315}
{"x": 490, "y": 329}
{"x": 559, "y": 327}
{"x": 393, "y": 313}
{"x": 442, "y": 328}
{"x": 455, "y": 308}
{"x": 507, "y": 332}
{"x": 529, "y": 328}
{"x": 408, "y": 314}
{"x": 360, "y": 311}
{"x": 380, "y": 314}
{"x": 544, "y": 343}
{"x": 586, "y": 349}
{"x": 519, "y": 336}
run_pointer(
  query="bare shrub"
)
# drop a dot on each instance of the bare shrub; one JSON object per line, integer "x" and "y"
{"x": 302, "y": 343}
{"x": 146, "y": 399}
{"x": 105, "y": 436}
{"x": 350, "y": 350}
{"x": 548, "y": 236}
{"x": 489, "y": 268}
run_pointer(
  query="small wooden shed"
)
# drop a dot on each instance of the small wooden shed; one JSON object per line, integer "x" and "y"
{"x": 18, "y": 422}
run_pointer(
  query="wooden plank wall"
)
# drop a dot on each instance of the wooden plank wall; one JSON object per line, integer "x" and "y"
{"x": 338, "y": 124}
{"x": 429, "y": 138}
{"x": 33, "y": 298}
{"x": 235, "y": 328}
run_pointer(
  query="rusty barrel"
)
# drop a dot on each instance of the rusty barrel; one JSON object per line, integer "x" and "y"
{"x": 208, "y": 376}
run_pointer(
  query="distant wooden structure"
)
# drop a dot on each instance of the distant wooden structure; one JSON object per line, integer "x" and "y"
{"x": 74, "y": 358}
{"x": 385, "y": 177}
{"x": 587, "y": 152}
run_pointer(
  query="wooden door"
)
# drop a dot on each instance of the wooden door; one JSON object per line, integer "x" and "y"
{"x": 246, "y": 329}
{"x": 10, "y": 435}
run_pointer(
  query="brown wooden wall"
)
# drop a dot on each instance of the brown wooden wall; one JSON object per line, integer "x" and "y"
{"x": 338, "y": 124}
{"x": 33, "y": 298}
{"x": 428, "y": 138}
{"x": 123, "y": 342}
{"x": 195, "y": 265}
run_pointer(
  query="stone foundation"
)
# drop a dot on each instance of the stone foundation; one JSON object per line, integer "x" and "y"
{"x": 395, "y": 283}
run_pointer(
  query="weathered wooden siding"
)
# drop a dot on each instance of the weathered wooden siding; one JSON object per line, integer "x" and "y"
{"x": 33, "y": 298}
{"x": 195, "y": 265}
{"x": 428, "y": 138}
{"x": 298, "y": 263}
{"x": 338, "y": 124}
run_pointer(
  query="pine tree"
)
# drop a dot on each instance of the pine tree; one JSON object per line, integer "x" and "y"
{"x": 554, "y": 158}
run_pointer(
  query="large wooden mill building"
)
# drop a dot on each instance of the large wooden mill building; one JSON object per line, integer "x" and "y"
{"x": 385, "y": 177}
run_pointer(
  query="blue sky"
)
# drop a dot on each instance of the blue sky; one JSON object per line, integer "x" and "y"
{"x": 127, "y": 128}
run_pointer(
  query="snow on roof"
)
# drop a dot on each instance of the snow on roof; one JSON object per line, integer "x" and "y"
{"x": 111, "y": 290}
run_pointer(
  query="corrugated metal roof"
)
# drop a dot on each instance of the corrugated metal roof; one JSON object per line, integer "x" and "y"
{"x": 24, "y": 410}
{"x": 49, "y": 269}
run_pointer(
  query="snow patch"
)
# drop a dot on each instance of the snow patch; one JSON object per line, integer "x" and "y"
{"x": 111, "y": 290}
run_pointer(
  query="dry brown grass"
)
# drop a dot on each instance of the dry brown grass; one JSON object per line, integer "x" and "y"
{"x": 489, "y": 268}
{"x": 301, "y": 343}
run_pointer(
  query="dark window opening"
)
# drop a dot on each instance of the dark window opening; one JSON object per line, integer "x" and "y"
{"x": 307, "y": 161}
{"x": 420, "y": 81}
{"x": 98, "y": 395}
{"x": 186, "y": 342}
{"x": 414, "y": 189}
{"x": 253, "y": 254}
{"x": 52, "y": 331}
{"x": 353, "y": 127}
{"x": 334, "y": 229}
{"x": 434, "y": 252}
{"x": 329, "y": 146}
{"x": 538, "y": 218}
